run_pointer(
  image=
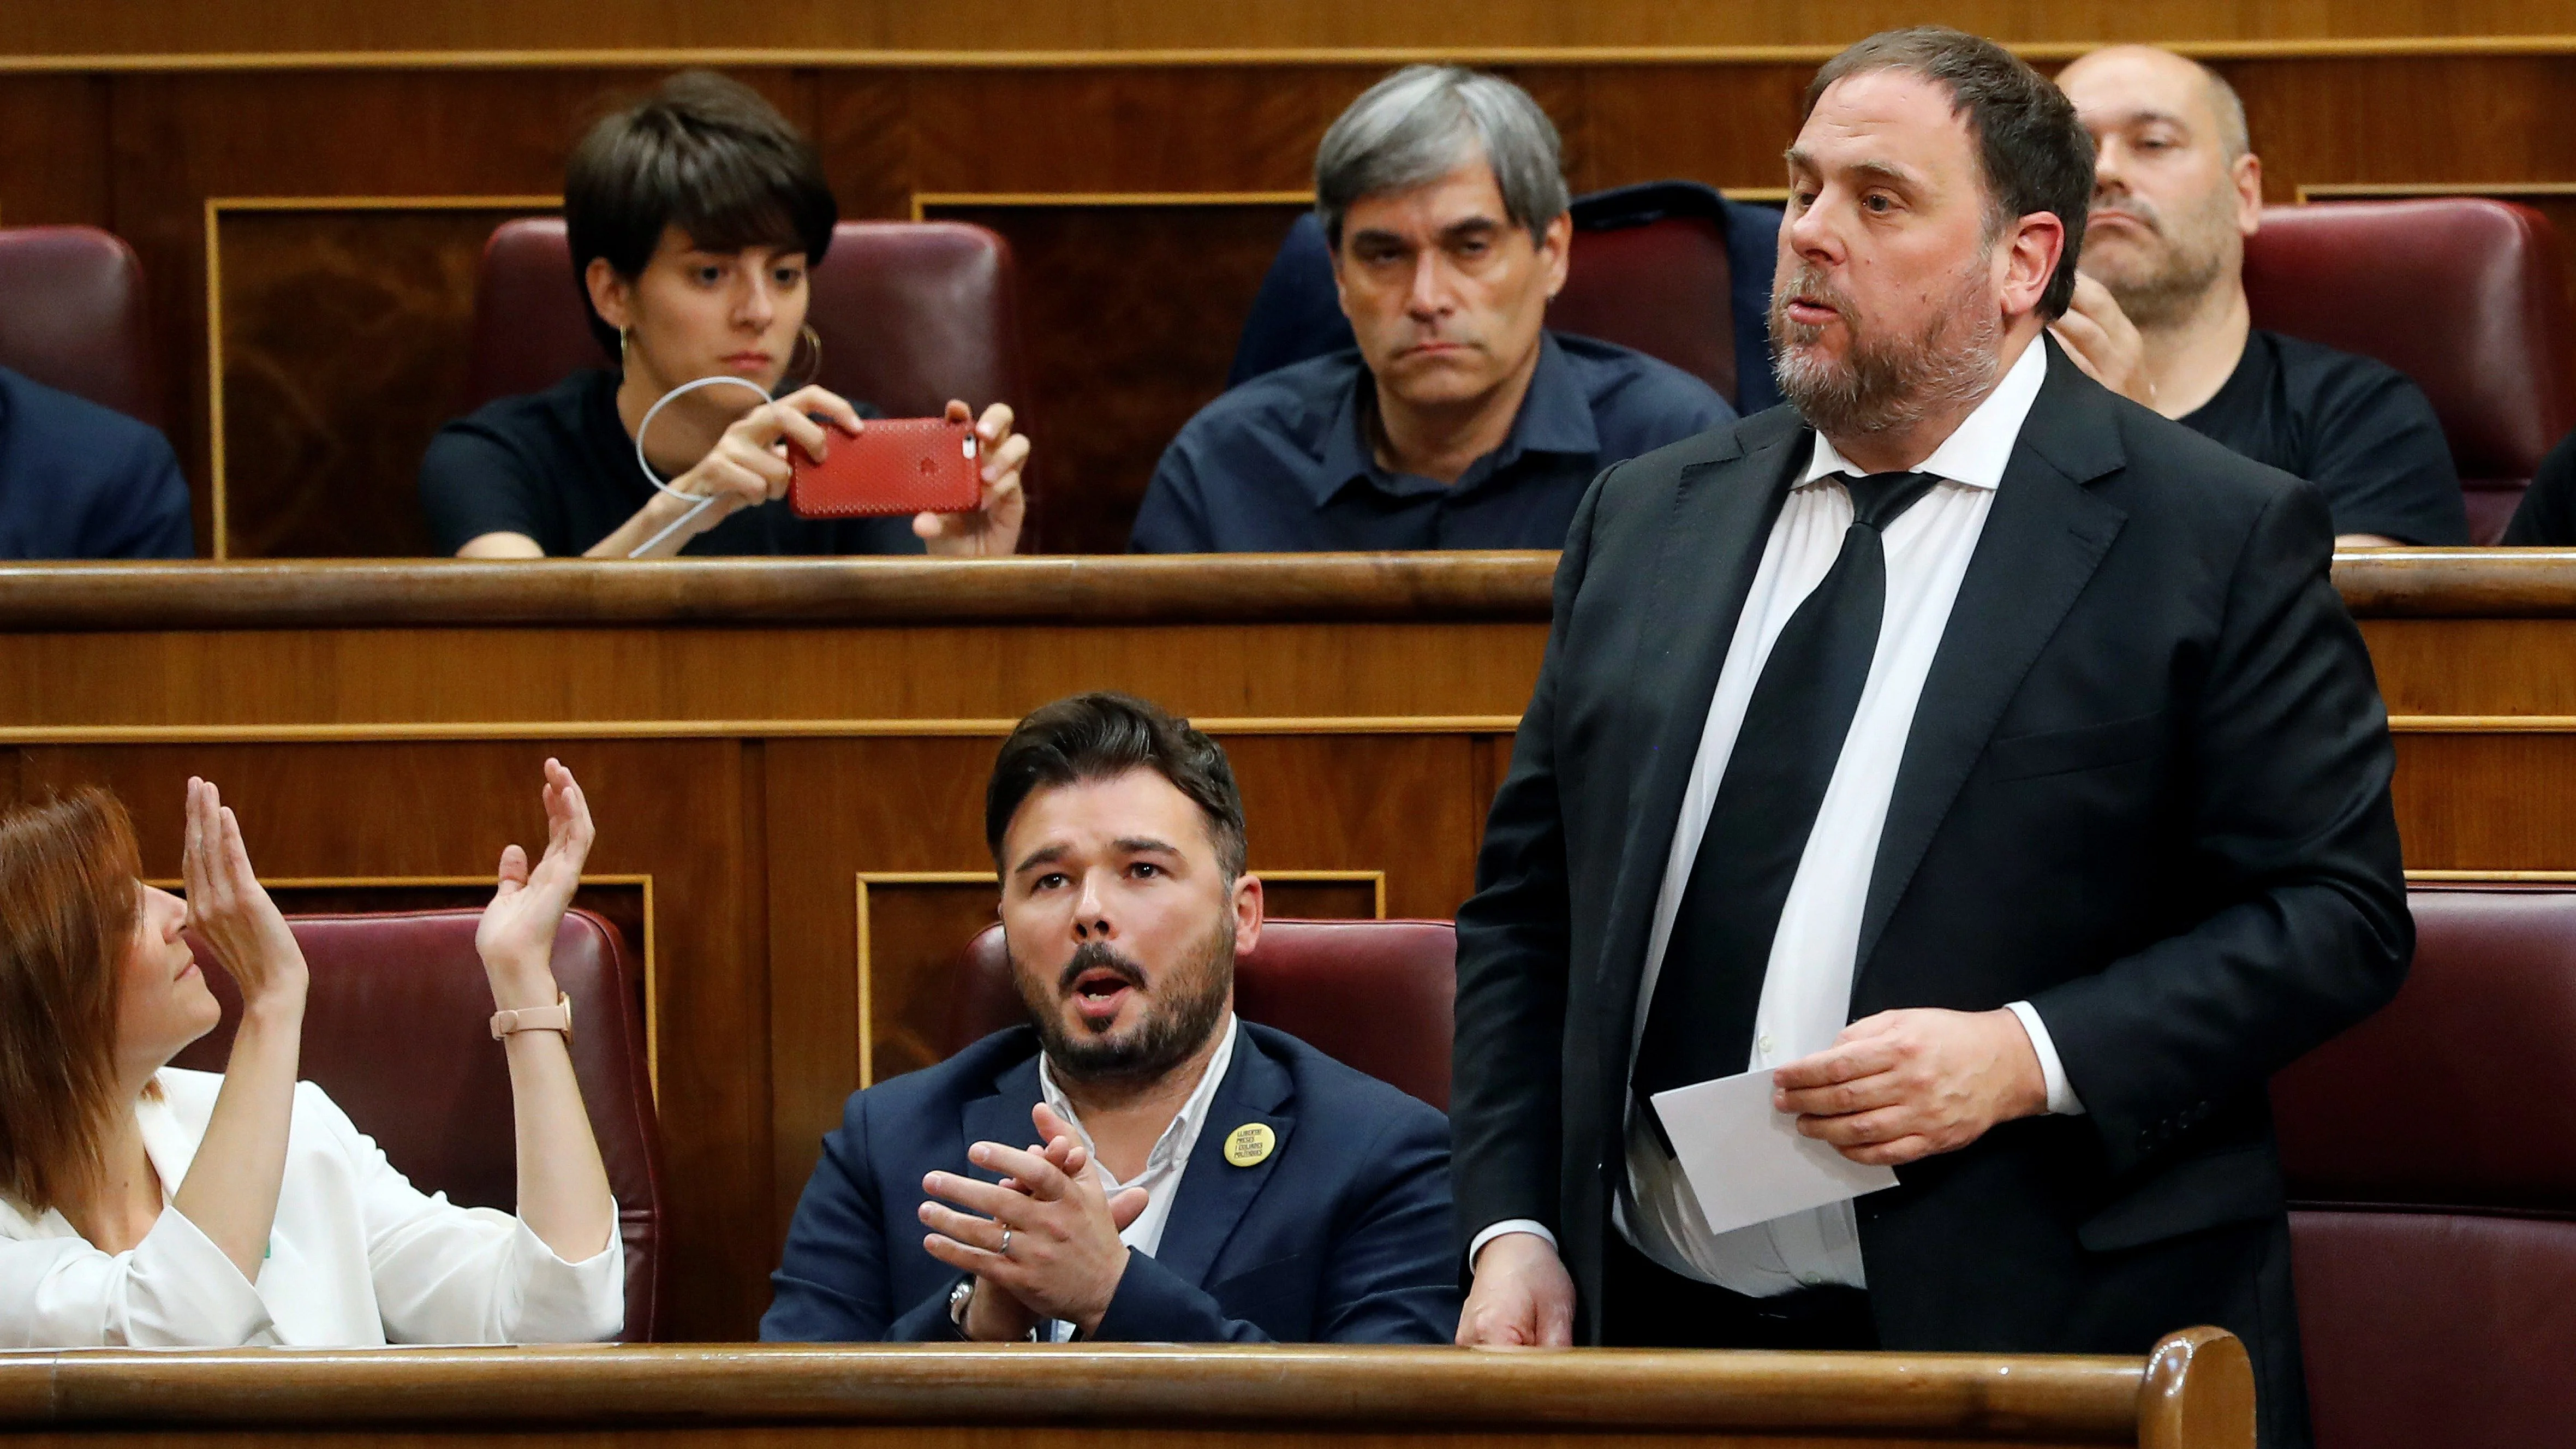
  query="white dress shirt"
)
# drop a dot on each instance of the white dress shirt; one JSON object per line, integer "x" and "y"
{"x": 1806, "y": 988}
{"x": 1164, "y": 1166}
{"x": 356, "y": 1257}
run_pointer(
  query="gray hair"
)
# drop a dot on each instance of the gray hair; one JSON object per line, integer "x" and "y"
{"x": 1426, "y": 121}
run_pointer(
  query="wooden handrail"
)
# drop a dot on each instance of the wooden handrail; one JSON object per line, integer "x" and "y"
{"x": 2189, "y": 1394}
{"x": 1241, "y": 588}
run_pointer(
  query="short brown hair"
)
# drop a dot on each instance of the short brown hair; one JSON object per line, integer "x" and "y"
{"x": 69, "y": 904}
{"x": 2035, "y": 154}
{"x": 706, "y": 154}
{"x": 1101, "y": 737}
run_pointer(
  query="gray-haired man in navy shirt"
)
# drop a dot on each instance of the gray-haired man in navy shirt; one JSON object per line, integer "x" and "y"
{"x": 1459, "y": 421}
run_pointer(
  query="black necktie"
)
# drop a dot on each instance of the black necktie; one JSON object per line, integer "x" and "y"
{"x": 1700, "y": 1023}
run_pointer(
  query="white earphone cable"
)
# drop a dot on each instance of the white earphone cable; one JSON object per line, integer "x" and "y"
{"x": 704, "y": 501}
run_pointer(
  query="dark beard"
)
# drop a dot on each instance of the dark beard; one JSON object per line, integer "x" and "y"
{"x": 1181, "y": 1017}
{"x": 2192, "y": 266}
{"x": 1889, "y": 383}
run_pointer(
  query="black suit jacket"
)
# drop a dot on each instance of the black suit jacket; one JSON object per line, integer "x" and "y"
{"x": 2147, "y": 789}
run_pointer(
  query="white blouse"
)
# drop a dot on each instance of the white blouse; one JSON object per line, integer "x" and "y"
{"x": 357, "y": 1257}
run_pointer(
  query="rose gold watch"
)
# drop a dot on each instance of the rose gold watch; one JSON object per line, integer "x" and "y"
{"x": 557, "y": 1017}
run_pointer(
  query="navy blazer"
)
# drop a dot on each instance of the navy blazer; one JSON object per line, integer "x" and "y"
{"x": 80, "y": 481}
{"x": 1340, "y": 1235}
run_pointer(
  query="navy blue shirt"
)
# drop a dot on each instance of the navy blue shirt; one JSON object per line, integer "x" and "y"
{"x": 1283, "y": 464}
{"x": 81, "y": 481}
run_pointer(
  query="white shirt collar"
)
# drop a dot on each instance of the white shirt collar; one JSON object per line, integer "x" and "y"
{"x": 1977, "y": 450}
{"x": 1180, "y": 1136}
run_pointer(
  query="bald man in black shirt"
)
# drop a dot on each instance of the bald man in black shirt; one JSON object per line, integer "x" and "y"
{"x": 2161, "y": 313}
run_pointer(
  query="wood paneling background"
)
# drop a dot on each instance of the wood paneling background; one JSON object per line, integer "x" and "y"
{"x": 1128, "y": 336}
{"x": 147, "y": 28}
{"x": 1159, "y": 292}
{"x": 757, "y": 771}
{"x": 344, "y": 349}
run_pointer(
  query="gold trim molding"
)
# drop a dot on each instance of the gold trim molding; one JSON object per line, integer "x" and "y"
{"x": 666, "y": 58}
{"x": 867, "y": 1026}
{"x": 924, "y": 201}
{"x": 477, "y": 731}
{"x": 414, "y": 731}
{"x": 2482, "y": 724}
{"x": 2403, "y": 190}
{"x": 2491, "y": 877}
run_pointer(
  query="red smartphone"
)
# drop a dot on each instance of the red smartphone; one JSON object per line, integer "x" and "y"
{"x": 893, "y": 466}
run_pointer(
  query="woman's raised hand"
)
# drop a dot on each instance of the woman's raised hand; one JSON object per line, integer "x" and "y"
{"x": 231, "y": 911}
{"x": 517, "y": 935}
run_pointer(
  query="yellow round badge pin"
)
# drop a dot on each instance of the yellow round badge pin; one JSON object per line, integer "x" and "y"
{"x": 1248, "y": 1144}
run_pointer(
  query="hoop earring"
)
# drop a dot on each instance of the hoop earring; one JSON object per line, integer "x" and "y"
{"x": 792, "y": 379}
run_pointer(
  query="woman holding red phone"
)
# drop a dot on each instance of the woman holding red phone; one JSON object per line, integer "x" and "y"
{"x": 695, "y": 219}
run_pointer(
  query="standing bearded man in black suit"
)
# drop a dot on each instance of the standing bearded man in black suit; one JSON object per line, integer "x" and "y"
{"x": 1986, "y": 756}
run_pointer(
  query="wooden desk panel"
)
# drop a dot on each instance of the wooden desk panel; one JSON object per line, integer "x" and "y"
{"x": 2194, "y": 1391}
{"x": 757, "y": 737}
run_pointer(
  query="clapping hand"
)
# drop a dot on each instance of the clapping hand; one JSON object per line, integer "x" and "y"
{"x": 230, "y": 910}
{"x": 1065, "y": 1257}
{"x": 517, "y": 935}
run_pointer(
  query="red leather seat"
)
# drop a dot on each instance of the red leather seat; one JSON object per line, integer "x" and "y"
{"x": 72, "y": 317}
{"x": 1375, "y": 995}
{"x": 1663, "y": 287}
{"x": 2431, "y": 1154}
{"x": 2466, "y": 296}
{"x": 397, "y": 1029}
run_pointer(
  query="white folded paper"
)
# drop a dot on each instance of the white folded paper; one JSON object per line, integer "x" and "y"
{"x": 1746, "y": 1162}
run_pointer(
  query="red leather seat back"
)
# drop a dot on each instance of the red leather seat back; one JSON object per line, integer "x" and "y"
{"x": 911, "y": 314}
{"x": 397, "y": 1029}
{"x": 72, "y": 317}
{"x": 1373, "y": 995}
{"x": 2431, "y": 1154}
{"x": 2466, "y": 296}
{"x": 1664, "y": 288}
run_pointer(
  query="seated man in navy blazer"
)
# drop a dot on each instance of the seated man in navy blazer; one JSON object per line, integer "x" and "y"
{"x": 1192, "y": 1179}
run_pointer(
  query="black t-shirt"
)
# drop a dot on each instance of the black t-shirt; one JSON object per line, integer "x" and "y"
{"x": 2547, "y": 515}
{"x": 2354, "y": 427}
{"x": 559, "y": 467}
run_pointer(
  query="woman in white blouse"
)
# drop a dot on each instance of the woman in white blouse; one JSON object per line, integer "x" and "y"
{"x": 142, "y": 1205}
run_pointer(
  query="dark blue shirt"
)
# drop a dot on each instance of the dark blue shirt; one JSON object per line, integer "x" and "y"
{"x": 81, "y": 481}
{"x": 1283, "y": 464}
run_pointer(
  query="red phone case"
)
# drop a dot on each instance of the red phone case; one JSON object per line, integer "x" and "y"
{"x": 894, "y": 465}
